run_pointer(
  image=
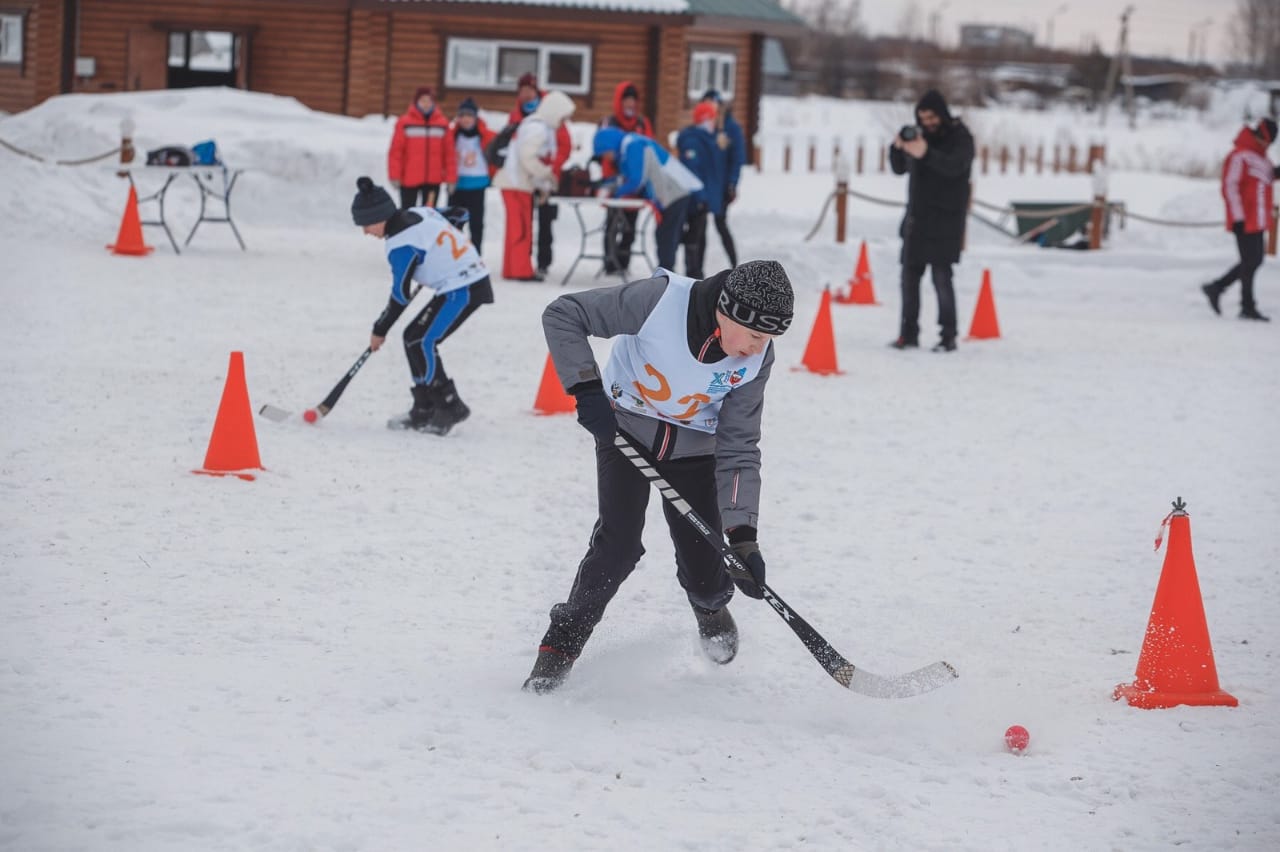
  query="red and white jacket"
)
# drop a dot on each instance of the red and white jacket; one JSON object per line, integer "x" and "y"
{"x": 1247, "y": 175}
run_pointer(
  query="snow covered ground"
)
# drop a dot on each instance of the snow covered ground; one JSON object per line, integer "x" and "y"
{"x": 330, "y": 657}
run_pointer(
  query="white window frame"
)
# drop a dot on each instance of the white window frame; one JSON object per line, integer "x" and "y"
{"x": 493, "y": 46}
{"x": 719, "y": 60}
{"x": 11, "y": 34}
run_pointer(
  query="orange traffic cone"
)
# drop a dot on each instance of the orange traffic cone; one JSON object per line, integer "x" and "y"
{"x": 129, "y": 240}
{"x": 233, "y": 446}
{"x": 1176, "y": 665}
{"x": 820, "y": 351}
{"x": 552, "y": 398}
{"x": 984, "y": 325}
{"x": 861, "y": 291}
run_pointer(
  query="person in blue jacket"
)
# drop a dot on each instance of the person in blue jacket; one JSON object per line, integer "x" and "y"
{"x": 698, "y": 150}
{"x": 733, "y": 144}
{"x": 647, "y": 169}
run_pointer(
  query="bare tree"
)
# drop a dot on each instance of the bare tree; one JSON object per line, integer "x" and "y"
{"x": 1255, "y": 35}
{"x": 835, "y": 42}
{"x": 910, "y": 22}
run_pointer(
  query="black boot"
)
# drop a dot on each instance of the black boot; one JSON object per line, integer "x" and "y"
{"x": 1213, "y": 293}
{"x": 946, "y": 344}
{"x": 1253, "y": 314}
{"x": 549, "y": 671}
{"x": 449, "y": 409}
{"x": 905, "y": 343}
{"x": 420, "y": 415}
{"x": 718, "y": 633}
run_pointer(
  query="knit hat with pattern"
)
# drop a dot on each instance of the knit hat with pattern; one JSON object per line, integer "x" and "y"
{"x": 758, "y": 294}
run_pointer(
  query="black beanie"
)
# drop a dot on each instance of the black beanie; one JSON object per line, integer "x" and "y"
{"x": 758, "y": 294}
{"x": 1266, "y": 131}
{"x": 933, "y": 101}
{"x": 371, "y": 204}
{"x": 630, "y": 92}
{"x": 468, "y": 105}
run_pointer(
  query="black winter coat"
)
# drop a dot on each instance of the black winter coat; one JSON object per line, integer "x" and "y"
{"x": 937, "y": 197}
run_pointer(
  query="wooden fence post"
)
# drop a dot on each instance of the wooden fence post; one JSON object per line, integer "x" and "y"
{"x": 786, "y": 155}
{"x": 813, "y": 154}
{"x": 858, "y": 169}
{"x": 984, "y": 159}
{"x": 1271, "y": 231}
{"x": 1004, "y": 159}
{"x": 1022, "y": 159}
{"x": 842, "y": 197}
{"x": 1071, "y": 158}
{"x": 1040, "y": 158}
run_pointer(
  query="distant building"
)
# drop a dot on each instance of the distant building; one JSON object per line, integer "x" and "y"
{"x": 361, "y": 57}
{"x": 993, "y": 35}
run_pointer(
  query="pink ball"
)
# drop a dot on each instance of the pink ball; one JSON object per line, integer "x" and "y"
{"x": 1017, "y": 738}
{"x": 310, "y": 415}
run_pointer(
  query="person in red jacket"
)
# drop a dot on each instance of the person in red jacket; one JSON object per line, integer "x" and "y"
{"x": 416, "y": 159}
{"x": 528, "y": 96}
{"x": 466, "y": 170}
{"x": 620, "y": 225}
{"x": 1247, "y": 175}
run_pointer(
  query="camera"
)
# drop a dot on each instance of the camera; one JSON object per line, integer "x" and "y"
{"x": 909, "y": 132}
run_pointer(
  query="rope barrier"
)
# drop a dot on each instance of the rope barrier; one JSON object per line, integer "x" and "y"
{"x": 1116, "y": 207}
{"x": 39, "y": 159}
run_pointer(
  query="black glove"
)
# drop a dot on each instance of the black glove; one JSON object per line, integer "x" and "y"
{"x": 595, "y": 411}
{"x": 743, "y": 542}
{"x": 1237, "y": 228}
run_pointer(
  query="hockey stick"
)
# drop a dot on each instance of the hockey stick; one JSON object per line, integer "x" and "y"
{"x": 272, "y": 412}
{"x": 844, "y": 672}
{"x": 279, "y": 415}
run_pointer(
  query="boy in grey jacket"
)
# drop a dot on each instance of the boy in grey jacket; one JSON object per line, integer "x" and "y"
{"x": 684, "y": 382}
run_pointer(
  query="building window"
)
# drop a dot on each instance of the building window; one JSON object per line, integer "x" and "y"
{"x": 10, "y": 39}
{"x": 711, "y": 70}
{"x": 486, "y": 64}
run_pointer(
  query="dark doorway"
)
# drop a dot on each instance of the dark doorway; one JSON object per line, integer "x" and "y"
{"x": 203, "y": 58}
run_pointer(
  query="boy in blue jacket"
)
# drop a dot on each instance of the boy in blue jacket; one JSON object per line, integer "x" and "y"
{"x": 647, "y": 169}
{"x": 699, "y": 152}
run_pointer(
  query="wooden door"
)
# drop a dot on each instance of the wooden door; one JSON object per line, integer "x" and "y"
{"x": 146, "y": 65}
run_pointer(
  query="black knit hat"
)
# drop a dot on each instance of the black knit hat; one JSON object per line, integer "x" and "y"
{"x": 758, "y": 294}
{"x": 933, "y": 101}
{"x": 371, "y": 204}
{"x": 468, "y": 105}
{"x": 1266, "y": 131}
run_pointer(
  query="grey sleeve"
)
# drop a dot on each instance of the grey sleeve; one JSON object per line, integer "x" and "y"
{"x": 738, "y": 451}
{"x": 604, "y": 312}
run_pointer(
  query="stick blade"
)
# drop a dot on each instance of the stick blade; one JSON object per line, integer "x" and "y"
{"x": 271, "y": 412}
{"x": 907, "y": 685}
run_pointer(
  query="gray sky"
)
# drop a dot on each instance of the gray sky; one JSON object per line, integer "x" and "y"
{"x": 1157, "y": 27}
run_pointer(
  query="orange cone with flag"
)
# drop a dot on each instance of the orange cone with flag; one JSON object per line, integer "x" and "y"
{"x": 861, "y": 291}
{"x": 233, "y": 446}
{"x": 129, "y": 240}
{"x": 1176, "y": 665}
{"x": 820, "y": 351}
{"x": 552, "y": 398}
{"x": 984, "y": 325}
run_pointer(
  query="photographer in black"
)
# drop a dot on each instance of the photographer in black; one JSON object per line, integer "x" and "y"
{"x": 938, "y": 155}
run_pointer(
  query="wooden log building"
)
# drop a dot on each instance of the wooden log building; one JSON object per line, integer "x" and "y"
{"x": 360, "y": 57}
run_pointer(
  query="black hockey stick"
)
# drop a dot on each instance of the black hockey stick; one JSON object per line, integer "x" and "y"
{"x": 844, "y": 672}
{"x": 272, "y": 412}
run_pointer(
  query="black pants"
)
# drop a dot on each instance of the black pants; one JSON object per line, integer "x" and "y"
{"x": 619, "y": 236}
{"x": 670, "y": 231}
{"x": 546, "y": 214}
{"x": 432, "y": 326}
{"x": 1251, "y": 248}
{"x": 726, "y": 238}
{"x": 473, "y": 200}
{"x": 695, "y": 241}
{"x": 911, "y": 275}
{"x": 623, "y": 494}
{"x": 409, "y": 195}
